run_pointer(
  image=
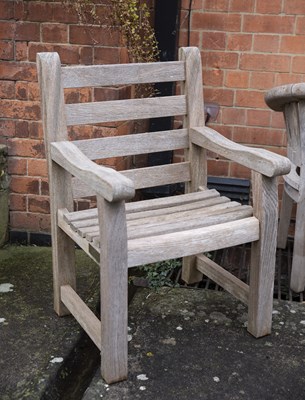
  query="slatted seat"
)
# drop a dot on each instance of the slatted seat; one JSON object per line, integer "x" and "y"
{"x": 119, "y": 233}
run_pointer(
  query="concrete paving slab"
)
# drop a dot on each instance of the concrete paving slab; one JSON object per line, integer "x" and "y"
{"x": 192, "y": 344}
{"x": 39, "y": 357}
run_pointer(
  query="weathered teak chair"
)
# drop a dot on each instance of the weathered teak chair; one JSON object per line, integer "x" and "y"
{"x": 121, "y": 235}
{"x": 290, "y": 99}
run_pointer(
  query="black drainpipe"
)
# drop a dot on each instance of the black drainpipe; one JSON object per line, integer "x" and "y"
{"x": 167, "y": 19}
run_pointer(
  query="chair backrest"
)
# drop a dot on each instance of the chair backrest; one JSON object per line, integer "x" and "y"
{"x": 290, "y": 99}
{"x": 57, "y": 115}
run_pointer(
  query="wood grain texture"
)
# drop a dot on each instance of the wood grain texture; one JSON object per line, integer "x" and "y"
{"x": 297, "y": 282}
{"x": 60, "y": 184}
{"x": 291, "y": 114}
{"x": 225, "y": 279}
{"x": 124, "y": 110}
{"x": 141, "y": 143}
{"x": 122, "y": 74}
{"x": 114, "y": 281}
{"x": 284, "y": 222}
{"x": 259, "y": 160}
{"x": 278, "y": 97}
{"x": 181, "y": 244}
{"x": 265, "y": 207}
{"x": 82, "y": 313}
{"x": 106, "y": 182}
{"x": 193, "y": 89}
{"x": 143, "y": 178}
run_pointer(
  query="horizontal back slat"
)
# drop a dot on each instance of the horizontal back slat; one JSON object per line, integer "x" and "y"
{"x": 124, "y": 74}
{"x": 123, "y": 110}
{"x": 144, "y": 177}
{"x": 141, "y": 143}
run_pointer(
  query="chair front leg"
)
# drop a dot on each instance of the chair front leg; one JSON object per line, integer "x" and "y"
{"x": 263, "y": 255}
{"x": 114, "y": 290}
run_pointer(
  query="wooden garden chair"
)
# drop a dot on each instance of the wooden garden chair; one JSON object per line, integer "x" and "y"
{"x": 120, "y": 234}
{"x": 290, "y": 99}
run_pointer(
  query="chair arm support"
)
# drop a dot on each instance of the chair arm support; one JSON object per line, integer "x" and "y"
{"x": 260, "y": 160}
{"x": 107, "y": 182}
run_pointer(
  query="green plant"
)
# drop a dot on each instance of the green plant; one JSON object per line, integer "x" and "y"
{"x": 158, "y": 274}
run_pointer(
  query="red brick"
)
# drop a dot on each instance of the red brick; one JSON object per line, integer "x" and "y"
{"x": 37, "y": 167}
{"x": 233, "y": 116}
{"x": 249, "y": 98}
{"x": 258, "y": 117}
{"x": 21, "y": 89}
{"x": 294, "y": 7}
{"x": 17, "y": 166}
{"x": 277, "y": 120}
{"x": 237, "y": 79}
{"x": 22, "y": 129}
{"x": 213, "y": 77}
{"x": 218, "y": 167}
{"x": 196, "y": 5}
{"x": 258, "y": 136}
{"x": 21, "y": 10}
{"x": 18, "y": 71}
{"x": 40, "y": 11}
{"x": 293, "y": 44}
{"x": 33, "y": 91}
{"x": 218, "y": 22}
{"x": 300, "y": 25}
{"x": 106, "y": 55}
{"x": 298, "y": 64}
{"x": 64, "y": 14}
{"x": 239, "y": 42}
{"x": 7, "y": 89}
{"x": 44, "y": 187}
{"x": 284, "y": 79}
{"x": 242, "y": 5}
{"x": 39, "y": 204}
{"x": 68, "y": 54}
{"x": 7, "y": 9}
{"x": 214, "y": 40}
{"x": 17, "y": 202}
{"x": 269, "y": 7}
{"x": 24, "y": 184}
{"x": 265, "y": 62}
{"x": 218, "y": 95}
{"x": 27, "y": 31}
{"x": 54, "y": 33}
{"x": 266, "y": 43}
{"x": 218, "y": 59}
{"x": 7, "y": 30}
{"x": 216, "y": 5}
{"x": 268, "y": 24}
{"x": 21, "y": 51}
{"x": 262, "y": 80}
{"x": 239, "y": 171}
{"x": 26, "y": 148}
{"x": 86, "y": 55}
{"x": 26, "y": 110}
{"x": 94, "y": 35}
{"x": 6, "y": 50}
{"x": 7, "y": 128}
{"x": 35, "y": 130}
{"x": 30, "y": 221}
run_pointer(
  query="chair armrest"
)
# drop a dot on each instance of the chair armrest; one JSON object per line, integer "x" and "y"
{"x": 260, "y": 160}
{"x": 107, "y": 182}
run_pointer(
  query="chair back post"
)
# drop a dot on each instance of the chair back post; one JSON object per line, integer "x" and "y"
{"x": 193, "y": 89}
{"x": 60, "y": 181}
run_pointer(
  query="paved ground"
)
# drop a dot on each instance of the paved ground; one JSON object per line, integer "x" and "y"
{"x": 192, "y": 344}
{"x": 185, "y": 343}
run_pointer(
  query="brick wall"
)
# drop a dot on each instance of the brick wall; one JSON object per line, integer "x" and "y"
{"x": 247, "y": 47}
{"x": 28, "y": 27}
